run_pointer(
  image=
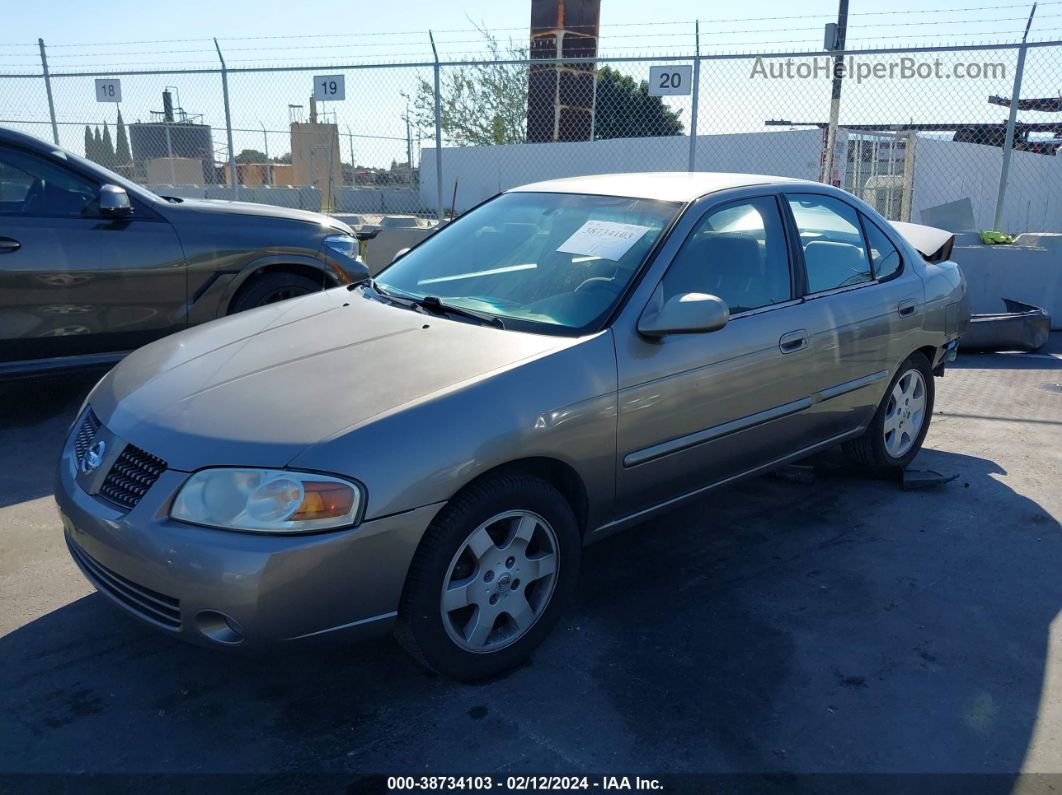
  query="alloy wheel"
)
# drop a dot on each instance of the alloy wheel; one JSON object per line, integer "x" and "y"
{"x": 905, "y": 413}
{"x": 500, "y": 581}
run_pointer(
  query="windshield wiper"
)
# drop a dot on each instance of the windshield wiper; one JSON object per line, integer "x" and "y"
{"x": 433, "y": 304}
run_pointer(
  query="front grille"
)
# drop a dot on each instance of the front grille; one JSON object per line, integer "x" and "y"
{"x": 147, "y": 604}
{"x": 132, "y": 475}
{"x": 85, "y": 434}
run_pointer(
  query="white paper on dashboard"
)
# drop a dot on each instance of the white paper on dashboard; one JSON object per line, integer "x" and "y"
{"x": 606, "y": 239}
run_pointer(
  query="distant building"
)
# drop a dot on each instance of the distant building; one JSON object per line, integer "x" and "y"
{"x": 172, "y": 133}
{"x": 262, "y": 174}
{"x": 173, "y": 171}
{"x": 315, "y": 157}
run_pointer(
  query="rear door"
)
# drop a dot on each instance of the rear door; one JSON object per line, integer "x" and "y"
{"x": 864, "y": 306}
{"x": 71, "y": 282}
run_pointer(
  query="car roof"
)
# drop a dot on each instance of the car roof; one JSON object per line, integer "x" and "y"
{"x": 680, "y": 186}
{"x": 16, "y": 138}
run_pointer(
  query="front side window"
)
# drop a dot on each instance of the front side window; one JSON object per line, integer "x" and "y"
{"x": 30, "y": 185}
{"x": 546, "y": 262}
{"x": 884, "y": 257}
{"x": 834, "y": 253}
{"x": 737, "y": 253}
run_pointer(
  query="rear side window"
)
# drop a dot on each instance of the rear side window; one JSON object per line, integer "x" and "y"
{"x": 834, "y": 252}
{"x": 884, "y": 258}
{"x": 738, "y": 253}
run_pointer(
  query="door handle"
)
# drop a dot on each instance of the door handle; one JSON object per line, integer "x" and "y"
{"x": 793, "y": 341}
{"x": 906, "y": 308}
{"x": 7, "y": 244}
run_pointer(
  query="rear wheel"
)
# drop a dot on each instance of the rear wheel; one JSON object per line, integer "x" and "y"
{"x": 490, "y": 578}
{"x": 900, "y": 424}
{"x": 268, "y": 288}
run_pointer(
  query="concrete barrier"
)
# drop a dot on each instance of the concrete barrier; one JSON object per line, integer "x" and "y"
{"x": 1028, "y": 273}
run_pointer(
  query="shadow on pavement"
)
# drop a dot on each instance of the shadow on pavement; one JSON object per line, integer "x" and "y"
{"x": 842, "y": 626}
{"x": 34, "y": 418}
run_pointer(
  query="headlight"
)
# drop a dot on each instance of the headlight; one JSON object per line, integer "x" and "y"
{"x": 267, "y": 500}
{"x": 343, "y": 244}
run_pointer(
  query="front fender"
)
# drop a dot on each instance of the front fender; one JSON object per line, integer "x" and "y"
{"x": 211, "y": 298}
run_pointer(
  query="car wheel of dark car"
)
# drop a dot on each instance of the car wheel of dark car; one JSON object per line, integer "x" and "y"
{"x": 268, "y": 288}
{"x": 491, "y": 577}
{"x": 899, "y": 426}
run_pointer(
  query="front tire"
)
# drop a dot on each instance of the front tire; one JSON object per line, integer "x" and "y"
{"x": 490, "y": 578}
{"x": 268, "y": 288}
{"x": 900, "y": 424}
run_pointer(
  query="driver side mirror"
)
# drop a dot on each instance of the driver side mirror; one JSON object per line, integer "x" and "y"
{"x": 686, "y": 313}
{"x": 114, "y": 202}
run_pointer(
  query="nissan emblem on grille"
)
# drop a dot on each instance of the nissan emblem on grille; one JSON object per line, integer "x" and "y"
{"x": 93, "y": 457}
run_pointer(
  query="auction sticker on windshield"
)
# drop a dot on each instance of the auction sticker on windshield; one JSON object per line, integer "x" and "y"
{"x": 606, "y": 239}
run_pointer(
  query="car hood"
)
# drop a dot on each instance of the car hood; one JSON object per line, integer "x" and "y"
{"x": 257, "y": 388}
{"x": 225, "y": 207}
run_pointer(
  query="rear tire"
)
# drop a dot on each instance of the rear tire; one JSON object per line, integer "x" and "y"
{"x": 268, "y": 288}
{"x": 490, "y": 578}
{"x": 899, "y": 426}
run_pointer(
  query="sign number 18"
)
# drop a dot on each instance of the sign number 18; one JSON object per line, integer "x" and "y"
{"x": 108, "y": 90}
{"x": 329, "y": 88}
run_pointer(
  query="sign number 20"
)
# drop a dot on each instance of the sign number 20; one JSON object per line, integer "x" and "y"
{"x": 329, "y": 88}
{"x": 669, "y": 81}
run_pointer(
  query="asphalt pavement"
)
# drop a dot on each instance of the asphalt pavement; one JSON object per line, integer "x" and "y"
{"x": 840, "y": 625}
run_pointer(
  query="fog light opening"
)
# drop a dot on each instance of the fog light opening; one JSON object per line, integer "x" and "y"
{"x": 219, "y": 627}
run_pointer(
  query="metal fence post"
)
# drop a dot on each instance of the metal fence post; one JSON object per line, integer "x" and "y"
{"x": 48, "y": 88}
{"x": 1008, "y": 143}
{"x": 696, "y": 94}
{"x": 835, "y": 95}
{"x": 438, "y": 133}
{"x": 228, "y": 123}
{"x": 907, "y": 193}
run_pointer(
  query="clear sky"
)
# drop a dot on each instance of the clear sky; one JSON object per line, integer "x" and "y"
{"x": 139, "y": 35}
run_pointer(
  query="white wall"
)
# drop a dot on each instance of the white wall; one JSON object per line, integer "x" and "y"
{"x": 944, "y": 171}
{"x": 947, "y": 171}
{"x": 483, "y": 171}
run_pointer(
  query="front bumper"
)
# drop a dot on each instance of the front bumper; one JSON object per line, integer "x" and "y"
{"x": 186, "y": 580}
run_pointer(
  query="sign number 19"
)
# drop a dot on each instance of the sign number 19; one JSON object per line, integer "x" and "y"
{"x": 329, "y": 88}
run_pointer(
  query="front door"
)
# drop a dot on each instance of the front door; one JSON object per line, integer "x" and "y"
{"x": 696, "y": 409}
{"x": 71, "y": 282}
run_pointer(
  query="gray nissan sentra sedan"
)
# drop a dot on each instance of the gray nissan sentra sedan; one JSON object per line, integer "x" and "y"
{"x": 428, "y": 452}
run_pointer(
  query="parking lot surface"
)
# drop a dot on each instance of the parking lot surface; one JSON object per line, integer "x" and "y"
{"x": 839, "y": 625}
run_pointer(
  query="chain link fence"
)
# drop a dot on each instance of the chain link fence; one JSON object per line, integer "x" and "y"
{"x": 921, "y": 132}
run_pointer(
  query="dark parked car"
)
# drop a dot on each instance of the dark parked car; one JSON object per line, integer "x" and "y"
{"x": 93, "y": 265}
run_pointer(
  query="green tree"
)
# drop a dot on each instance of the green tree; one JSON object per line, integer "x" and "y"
{"x": 97, "y": 146}
{"x": 108, "y": 148}
{"x": 90, "y": 144}
{"x": 122, "y": 154}
{"x": 486, "y": 104}
{"x": 624, "y": 109}
{"x": 483, "y": 104}
{"x": 251, "y": 156}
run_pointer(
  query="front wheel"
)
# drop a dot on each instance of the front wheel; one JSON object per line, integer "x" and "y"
{"x": 490, "y": 578}
{"x": 268, "y": 288}
{"x": 900, "y": 424}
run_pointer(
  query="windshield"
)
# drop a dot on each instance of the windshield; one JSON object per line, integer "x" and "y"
{"x": 551, "y": 262}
